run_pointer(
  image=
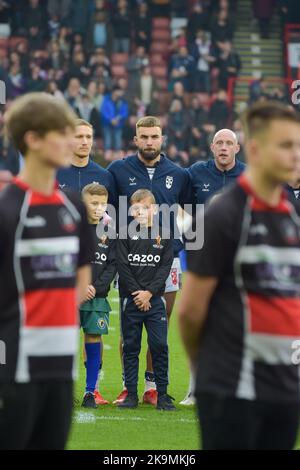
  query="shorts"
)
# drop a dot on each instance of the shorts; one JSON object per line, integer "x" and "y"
{"x": 94, "y": 316}
{"x": 173, "y": 283}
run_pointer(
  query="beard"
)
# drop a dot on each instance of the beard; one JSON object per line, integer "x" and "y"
{"x": 149, "y": 154}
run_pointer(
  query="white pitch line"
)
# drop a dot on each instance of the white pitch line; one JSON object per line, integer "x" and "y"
{"x": 111, "y": 328}
{"x": 107, "y": 347}
{"x": 82, "y": 418}
{"x": 114, "y": 312}
{"x": 115, "y": 299}
{"x": 255, "y": 49}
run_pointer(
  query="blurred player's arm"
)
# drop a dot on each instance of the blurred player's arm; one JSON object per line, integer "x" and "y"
{"x": 83, "y": 280}
{"x": 193, "y": 309}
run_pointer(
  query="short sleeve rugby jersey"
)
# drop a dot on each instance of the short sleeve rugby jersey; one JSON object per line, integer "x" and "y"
{"x": 247, "y": 348}
{"x": 43, "y": 241}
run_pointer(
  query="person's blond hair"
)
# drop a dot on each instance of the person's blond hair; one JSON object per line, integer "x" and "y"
{"x": 141, "y": 194}
{"x": 83, "y": 122}
{"x": 148, "y": 121}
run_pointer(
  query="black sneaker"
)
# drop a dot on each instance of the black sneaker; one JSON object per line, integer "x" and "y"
{"x": 164, "y": 402}
{"x": 89, "y": 400}
{"x": 131, "y": 401}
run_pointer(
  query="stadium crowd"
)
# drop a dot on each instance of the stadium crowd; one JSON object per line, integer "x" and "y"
{"x": 68, "y": 48}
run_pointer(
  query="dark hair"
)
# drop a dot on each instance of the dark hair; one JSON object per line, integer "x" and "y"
{"x": 259, "y": 117}
{"x": 37, "y": 112}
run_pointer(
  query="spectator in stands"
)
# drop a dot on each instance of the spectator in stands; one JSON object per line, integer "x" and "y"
{"x": 147, "y": 91}
{"x": 59, "y": 8}
{"x": 114, "y": 112}
{"x": 197, "y": 138}
{"x": 56, "y": 56}
{"x": 134, "y": 68}
{"x": 179, "y": 158}
{"x": 78, "y": 68}
{"x": 64, "y": 41}
{"x": 35, "y": 15}
{"x": 228, "y": 63}
{"x": 219, "y": 111}
{"x": 203, "y": 55}
{"x": 179, "y": 8}
{"x": 179, "y": 94}
{"x": 52, "y": 89}
{"x": 161, "y": 7}
{"x": 72, "y": 93}
{"x": 257, "y": 88}
{"x": 198, "y": 19}
{"x": 100, "y": 30}
{"x": 17, "y": 83}
{"x": 99, "y": 58}
{"x": 263, "y": 10}
{"x": 182, "y": 69}
{"x": 79, "y": 16}
{"x": 36, "y": 82}
{"x": 177, "y": 125}
{"x": 289, "y": 10}
{"x": 143, "y": 27}
{"x": 86, "y": 110}
{"x": 35, "y": 38}
{"x": 221, "y": 29}
{"x": 122, "y": 28}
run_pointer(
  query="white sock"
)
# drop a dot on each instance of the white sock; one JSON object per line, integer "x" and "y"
{"x": 191, "y": 390}
{"x": 149, "y": 385}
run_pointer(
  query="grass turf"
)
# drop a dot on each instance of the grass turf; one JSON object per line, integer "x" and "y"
{"x": 109, "y": 428}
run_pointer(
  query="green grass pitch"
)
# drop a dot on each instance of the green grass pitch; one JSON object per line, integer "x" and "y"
{"x": 109, "y": 428}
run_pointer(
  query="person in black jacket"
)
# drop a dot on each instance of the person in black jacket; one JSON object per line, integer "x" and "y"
{"x": 94, "y": 312}
{"x": 144, "y": 260}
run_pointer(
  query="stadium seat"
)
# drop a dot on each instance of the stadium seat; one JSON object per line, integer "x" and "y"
{"x": 161, "y": 34}
{"x": 160, "y": 71}
{"x": 118, "y": 71}
{"x": 156, "y": 59}
{"x": 119, "y": 59}
{"x": 158, "y": 46}
{"x": 160, "y": 23}
{"x": 4, "y": 42}
{"x": 15, "y": 40}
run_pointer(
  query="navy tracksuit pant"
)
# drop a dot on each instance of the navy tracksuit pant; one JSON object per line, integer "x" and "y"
{"x": 156, "y": 324}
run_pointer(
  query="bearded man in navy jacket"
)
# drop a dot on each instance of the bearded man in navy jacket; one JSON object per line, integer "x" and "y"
{"x": 211, "y": 177}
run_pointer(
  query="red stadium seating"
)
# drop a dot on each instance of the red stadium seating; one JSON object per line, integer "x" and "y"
{"x": 160, "y": 71}
{"x": 160, "y": 23}
{"x": 119, "y": 59}
{"x": 118, "y": 71}
{"x": 161, "y": 35}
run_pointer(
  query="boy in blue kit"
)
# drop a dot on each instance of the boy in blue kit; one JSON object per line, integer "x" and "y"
{"x": 94, "y": 312}
{"x": 144, "y": 260}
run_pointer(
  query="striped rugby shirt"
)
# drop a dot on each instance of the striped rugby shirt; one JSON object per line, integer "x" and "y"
{"x": 43, "y": 241}
{"x": 247, "y": 342}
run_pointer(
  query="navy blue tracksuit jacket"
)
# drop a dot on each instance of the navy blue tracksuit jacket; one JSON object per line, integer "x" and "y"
{"x": 77, "y": 177}
{"x": 208, "y": 180}
{"x": 170, "y": 184}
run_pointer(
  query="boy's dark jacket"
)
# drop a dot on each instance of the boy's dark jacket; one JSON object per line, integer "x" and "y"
{"x": 104, "y": 266}
{"x": 144, "y": 264}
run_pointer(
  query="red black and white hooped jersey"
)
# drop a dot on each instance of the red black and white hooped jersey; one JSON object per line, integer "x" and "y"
{"x": 43, "y": 241}
{"x": 248, "y": 340}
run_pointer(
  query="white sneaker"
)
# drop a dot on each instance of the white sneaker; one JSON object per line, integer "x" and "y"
{"x": 189, "y": 400}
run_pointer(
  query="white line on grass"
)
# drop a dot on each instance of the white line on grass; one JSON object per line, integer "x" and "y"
{"x": 81, "y": 417}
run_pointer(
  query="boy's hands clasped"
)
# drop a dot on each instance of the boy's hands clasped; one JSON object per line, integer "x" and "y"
{"x": 142, "y": 299}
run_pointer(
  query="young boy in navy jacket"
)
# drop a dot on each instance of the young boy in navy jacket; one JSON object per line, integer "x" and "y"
{"x": 144, "y": 260}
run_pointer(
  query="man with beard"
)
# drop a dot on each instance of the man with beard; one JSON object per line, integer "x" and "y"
{"x": 170, "y": 184}
{"x": 211, "y": 177}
